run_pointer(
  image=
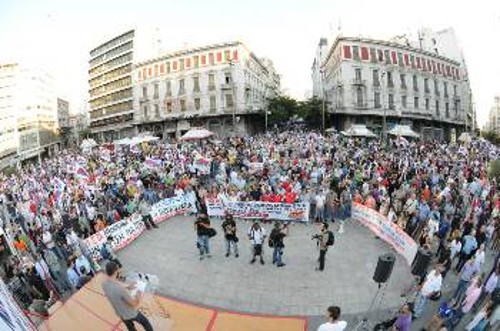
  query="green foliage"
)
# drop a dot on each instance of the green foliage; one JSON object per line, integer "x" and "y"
{"x": 311, "y": 111}
{"x": 494, "y": 170}
{"x": 282, "y": 108}
{"x": 492, "y": 137}
{"x": 85, "y": 133}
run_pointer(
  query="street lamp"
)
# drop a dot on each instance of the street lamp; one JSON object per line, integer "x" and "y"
{"x": 231, "y": 65}
{"x": 322, "y": 78}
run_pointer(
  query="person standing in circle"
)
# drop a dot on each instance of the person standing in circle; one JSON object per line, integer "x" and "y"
{"x": 229, "y": 227}
{"x": 202, "y": 227}
{"x": 333, "y": 323}
{"x": 124, "y": 304}
{"x": 257, "y": 235}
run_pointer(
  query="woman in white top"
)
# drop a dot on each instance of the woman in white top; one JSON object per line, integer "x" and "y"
{"x": 333, "y": 324}
{"x": 455, "y": 246}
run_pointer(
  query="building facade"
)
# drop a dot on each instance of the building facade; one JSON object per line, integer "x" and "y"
{"x": 493, "y": 123}
{"x": 380, "y": 83}
{"x": 62, "y": 113}
{"x": 8, "y": 120}
{"x": 221, "y": 87}
{"x": 110, "y": 87}
{"x": 316, "y": 72}
{"x": 30, "y": 108}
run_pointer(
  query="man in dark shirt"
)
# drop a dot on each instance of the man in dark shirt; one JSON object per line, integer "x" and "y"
{"x": 229, "y": 227}
{"x": 202, "y": 227}
{"x": 277, "y": 235}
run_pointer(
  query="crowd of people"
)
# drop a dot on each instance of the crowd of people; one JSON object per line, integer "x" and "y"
{"x": 440, "y": 194}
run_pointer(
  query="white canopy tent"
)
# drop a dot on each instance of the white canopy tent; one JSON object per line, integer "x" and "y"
{"x": 88, "y": 144}
{"x": 359, "y": 130}
{"x": 403, "y": 131}
{"x": 196, "y": 134}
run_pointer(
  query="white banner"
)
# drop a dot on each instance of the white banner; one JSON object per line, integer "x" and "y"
{"x": 127, "y": 230}
{"x": 385, "y": 230}
{"x": 262, "y": 210}
{"x": 12, "y": 317}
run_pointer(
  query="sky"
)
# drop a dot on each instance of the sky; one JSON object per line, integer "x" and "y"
{"x": 59, "y": 34}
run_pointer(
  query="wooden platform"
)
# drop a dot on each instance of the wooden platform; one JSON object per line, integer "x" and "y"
{"x": 88, "y": 309}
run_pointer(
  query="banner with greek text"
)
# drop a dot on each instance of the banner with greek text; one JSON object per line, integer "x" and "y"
{"x": 12, "y": 317}
{"x": 127, "y": 230}
{"x": 385, "y": 230}
{"x": 260, "y": 210}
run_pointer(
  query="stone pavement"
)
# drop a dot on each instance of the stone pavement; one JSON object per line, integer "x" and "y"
{"x": 297, "y": 289}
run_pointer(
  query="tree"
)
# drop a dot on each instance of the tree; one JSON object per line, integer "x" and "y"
{"x": 311, "y": 111}
{"x": 492, "y": 137}
{"x": 282, "y": 109}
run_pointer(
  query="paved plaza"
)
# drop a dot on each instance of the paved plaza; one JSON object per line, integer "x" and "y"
{"x": 296, "y": 289}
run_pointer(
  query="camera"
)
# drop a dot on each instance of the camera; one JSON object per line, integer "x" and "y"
{"x": 316, "y": 236}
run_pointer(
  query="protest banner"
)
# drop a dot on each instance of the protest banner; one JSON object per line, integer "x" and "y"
{"x": 12, "y": 317}
{"x": 127, "y": 230}
{"x": 385, "y": 230}
{"x": 260, "y": 210}
{"x": 202, "y": 165}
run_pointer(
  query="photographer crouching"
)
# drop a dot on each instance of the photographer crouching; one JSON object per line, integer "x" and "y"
{"x": 324, "y": 239}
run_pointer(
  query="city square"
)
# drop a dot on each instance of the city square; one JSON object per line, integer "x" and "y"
{"x": 253, "y": 166}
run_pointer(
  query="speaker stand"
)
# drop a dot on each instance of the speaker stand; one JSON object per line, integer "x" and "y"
{"x": 365, "y": 323}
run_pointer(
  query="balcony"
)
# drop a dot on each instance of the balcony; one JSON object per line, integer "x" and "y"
{"x": 358, "y": 81}
{"x": 144, "y": 99}
{"x": 226, "y": 86}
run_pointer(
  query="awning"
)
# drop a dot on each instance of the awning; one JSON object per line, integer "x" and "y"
{"x": 196, "y": 134}
{"x": 359, "y": 130}
{"x": 403, "y": 131}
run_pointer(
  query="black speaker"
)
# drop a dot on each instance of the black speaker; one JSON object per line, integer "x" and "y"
{"x": 421, "y": 262}
{"x": 384, "y": 268}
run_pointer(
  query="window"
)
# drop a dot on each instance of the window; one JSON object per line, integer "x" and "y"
{"x": 359, "y": 97}
{"x": 183, "y": 105}
{"x": 145, "y": 111}
{"x": 213, "y": 103}
{"x": 415, "y": 83}
{"x": 229, "y": 100}
{"x": 196, "y": 84}
{"x": 447, "y": 109}
{"x": 391, "y": 101}
{"x": 197, "y": 103}
{"x": 144, "y": 91}
{"x": 169, "y": 88}
{"x": 157, "y": 111}
{"x": 415, "y": 103}
{"x": 227, "y": 78}
{"x": 400, "y": 59}
{"x": 387, "y": 57}
{"x": 227, "y": 55}
{"x": 376, "y": 81}
{"x": 196, "y": 61}
{"x": 355, "y": 52}
{"x": 403, "y": 101}
{"x": 181, "y": 64}
{"x": 376, "y": 97}
{"x": 437, "y": 107}
{"x": 427, "y": 104}
{"x": 357, "y": 73}
{"x": 156, "y": 91}
{"x": 390, "y": 82}
{"x": 403, "y": 81}
{"x": 211, "y": 82}
{"x": 445, "y": 88}
{"x": 169, "y": 106}
{"x": 426, "y": 85}
{"x": 181, "y": 87}
{"x": 168, "y": 67}
{"x": 436, "y": 87}
{"x": 380, "y": 55}
{"x": 412, "y": 60}
{"x": 454, "y": 90}
{"x": 373, "y": 55}
{"x": 211, "y": 58}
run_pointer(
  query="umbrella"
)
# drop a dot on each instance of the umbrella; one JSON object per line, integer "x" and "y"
{"x": 88, "y": 144}
{"x": 359, "y": 130}
{"x": 196, "y": 134}
{"x": 331, "y": 130}
{"x": 403, "y": 131}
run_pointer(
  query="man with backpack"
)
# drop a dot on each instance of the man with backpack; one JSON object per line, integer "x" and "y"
{"x": 324, "y": 239}
{"x": 257, "y": 235}
{"x": 229, "y": 227}
{"x": 278, "y": 233}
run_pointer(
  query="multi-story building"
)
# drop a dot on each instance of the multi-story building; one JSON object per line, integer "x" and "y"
{"x": 62, "y": 113}
{"x": 316, "y": 72}
{"x": 110, "y": 87}
{"x": 221, "y": 86}
{"x": 8, "y": 120}
{"x": 29, "y": 105}
{"x": 493, "y": 123}
{"x": 367, "y": 81}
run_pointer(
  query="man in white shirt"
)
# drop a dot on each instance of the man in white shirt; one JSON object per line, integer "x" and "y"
{"x": 257, "y": 235}
{"x": 333, "y": 324}
{"x": 431, "y": 286}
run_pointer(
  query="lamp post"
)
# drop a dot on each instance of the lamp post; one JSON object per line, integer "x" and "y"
{"x": 231, "y": 65}
{"x": 322, "y": 84}
{"x": 266, "y": 108}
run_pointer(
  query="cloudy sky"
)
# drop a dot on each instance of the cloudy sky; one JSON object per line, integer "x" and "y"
{"x": 59, "y": 34}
